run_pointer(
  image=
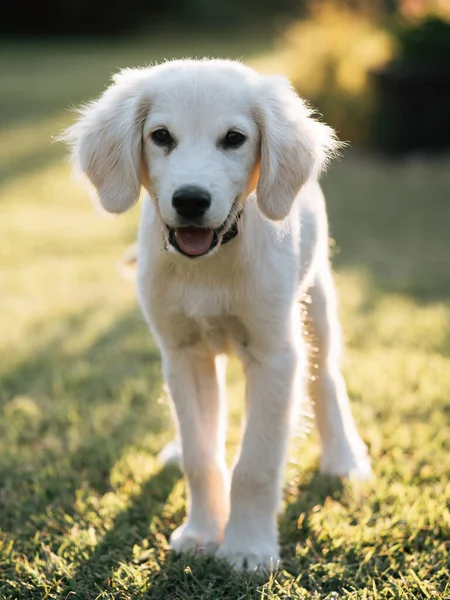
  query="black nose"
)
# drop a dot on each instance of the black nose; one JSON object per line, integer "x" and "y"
{"x": 191, "y": 201}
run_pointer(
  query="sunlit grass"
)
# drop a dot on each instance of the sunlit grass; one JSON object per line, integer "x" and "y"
{"x": 85, "y": 510}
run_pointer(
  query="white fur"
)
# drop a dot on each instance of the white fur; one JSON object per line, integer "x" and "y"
{"x": 243, "y": 296}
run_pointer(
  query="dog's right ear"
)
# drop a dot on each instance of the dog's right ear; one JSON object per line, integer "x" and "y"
{"x": 107, "y": 138}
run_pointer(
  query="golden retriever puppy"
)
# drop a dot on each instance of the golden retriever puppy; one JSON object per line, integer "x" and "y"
{"x": 233, "y": 234}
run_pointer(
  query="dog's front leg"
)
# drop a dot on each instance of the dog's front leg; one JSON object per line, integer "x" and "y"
{"x": 251, "y": 536}
{"x": 196, "y": 392}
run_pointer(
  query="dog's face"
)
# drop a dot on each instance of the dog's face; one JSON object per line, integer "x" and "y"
{"x": 200, "y": 136}
{"x": 200, "y": 155}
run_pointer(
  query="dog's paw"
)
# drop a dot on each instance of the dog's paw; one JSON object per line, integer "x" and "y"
{"x": 244, "y": 556}
{"x": 188, "y": 538}
{"x": 171, "y": 454}
{"x": 351, "y": 463}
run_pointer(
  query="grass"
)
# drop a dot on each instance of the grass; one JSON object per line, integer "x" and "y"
{"x": 85, "y": 509}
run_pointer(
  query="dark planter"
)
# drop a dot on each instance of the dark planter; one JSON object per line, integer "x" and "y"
{"x": 412, "y": 109}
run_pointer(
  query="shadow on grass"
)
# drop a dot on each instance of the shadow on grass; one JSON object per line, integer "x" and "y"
{"x": 130, "y": 527}
{"x": 207, "y": 577}
{"x": 70, "y": 408}
{"x": 90, "y": 399}
{"x": 293, "y": 523}
{"x": 96, "y": 398}
{"x": 168, "y": 574}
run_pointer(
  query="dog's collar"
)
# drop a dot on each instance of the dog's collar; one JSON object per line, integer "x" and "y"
{"x": 233, "y": 230}
{"x": 229, "y": 235}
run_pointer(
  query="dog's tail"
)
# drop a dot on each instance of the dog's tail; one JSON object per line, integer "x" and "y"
{"x": 128, "y": 263}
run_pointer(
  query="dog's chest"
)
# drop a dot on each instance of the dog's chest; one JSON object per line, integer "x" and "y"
{"x": 211, "y": 313}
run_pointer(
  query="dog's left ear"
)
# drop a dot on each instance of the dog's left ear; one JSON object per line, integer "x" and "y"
{"x": 294, "y": 146}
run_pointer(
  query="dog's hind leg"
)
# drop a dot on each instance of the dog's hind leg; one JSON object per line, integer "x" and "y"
{"x": 196, "y": 382}
{"x": 343, "y": 451}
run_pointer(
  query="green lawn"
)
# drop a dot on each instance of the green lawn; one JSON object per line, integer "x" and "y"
{"x": 85, "y": 509}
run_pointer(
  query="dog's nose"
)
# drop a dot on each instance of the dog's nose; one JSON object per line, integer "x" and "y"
{"x": 191, "y": 202}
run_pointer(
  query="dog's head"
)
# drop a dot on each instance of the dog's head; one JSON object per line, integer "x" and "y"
{"x": 200, "y": 136}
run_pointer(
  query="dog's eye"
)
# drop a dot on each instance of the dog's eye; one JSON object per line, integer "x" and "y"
{"x": 233, "y": 139}
{"x": 162, "y": 137}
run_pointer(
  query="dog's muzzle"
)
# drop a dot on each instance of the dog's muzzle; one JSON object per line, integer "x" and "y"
{"x": 194, "y": 242}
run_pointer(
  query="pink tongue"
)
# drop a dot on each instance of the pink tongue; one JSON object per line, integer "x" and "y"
{"x": 194, "y": 240}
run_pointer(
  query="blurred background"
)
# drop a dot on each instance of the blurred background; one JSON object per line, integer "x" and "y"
{"x": 82, "y": 416}
{"x": 378, "y": 69}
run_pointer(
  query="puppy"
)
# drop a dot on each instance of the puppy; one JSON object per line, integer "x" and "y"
{"x": 233, "y": 234}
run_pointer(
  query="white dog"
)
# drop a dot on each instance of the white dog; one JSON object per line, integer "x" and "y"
{"x": 233, "y": 234}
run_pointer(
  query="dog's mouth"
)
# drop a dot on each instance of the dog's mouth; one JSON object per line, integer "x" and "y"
{"x": 193, "y": 241}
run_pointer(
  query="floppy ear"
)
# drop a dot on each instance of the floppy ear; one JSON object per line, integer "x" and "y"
{"x": 294, "y": 146}
{"x": 106, "y": 141}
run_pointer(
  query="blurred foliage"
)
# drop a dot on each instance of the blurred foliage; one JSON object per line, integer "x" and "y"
{"x": 425, "y": 44}
{"x": 336, "y": 54}
{"x": 417, "y": 10}
{"x": 413, "y": 89}
{"x": 328, "y": 55}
